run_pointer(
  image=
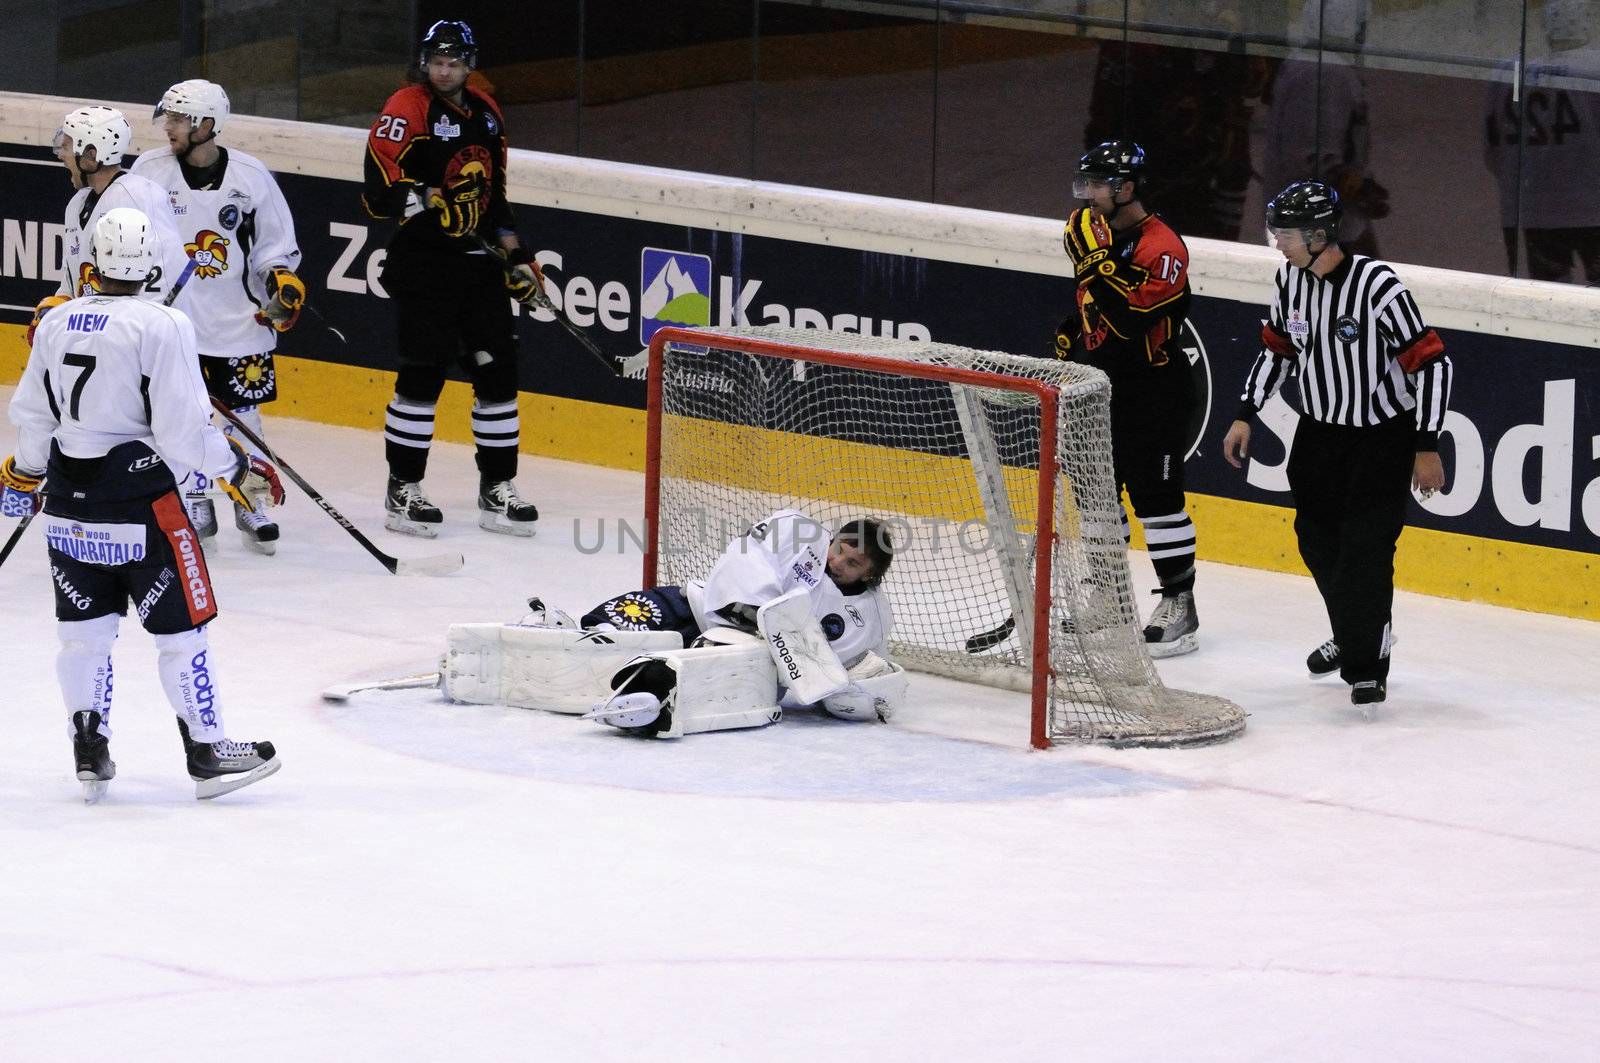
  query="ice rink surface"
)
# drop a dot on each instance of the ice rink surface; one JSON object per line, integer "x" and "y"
{"x": 426, "y": 881}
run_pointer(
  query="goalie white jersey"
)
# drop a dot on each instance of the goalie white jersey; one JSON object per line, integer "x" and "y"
{"x": 786, "y": 551}
{"x": 113, "y": 369}
{"x": 85, "y": 208}
{"x": 236, "y": 232}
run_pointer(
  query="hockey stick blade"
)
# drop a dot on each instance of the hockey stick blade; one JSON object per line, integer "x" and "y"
{"x": 343, "y": 691}
{"x": 432, "y": 565}
{"x": 990, "y": 639}
{"x": 439, "y": 565}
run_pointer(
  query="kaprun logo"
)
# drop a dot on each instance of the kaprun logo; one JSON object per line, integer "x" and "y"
{"x": 674, "y": 289}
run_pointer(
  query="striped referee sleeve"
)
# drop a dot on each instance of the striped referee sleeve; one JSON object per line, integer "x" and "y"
{"x": 1420, "y": 352}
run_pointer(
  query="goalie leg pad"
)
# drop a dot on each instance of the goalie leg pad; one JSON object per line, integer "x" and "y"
{"x": 709, "y": 688}
{"x": 555, "y": 669}
{"x": 806, "y": 664}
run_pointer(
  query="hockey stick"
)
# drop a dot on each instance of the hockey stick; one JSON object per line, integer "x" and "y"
{"x": 22, "y": 525}
{"x": 432, "y": 565}
{"x": 16, "y": 536}
{"x": 988, "y": 640}
{"x": 344, "y": 691}
{"x": 542, "y": 301}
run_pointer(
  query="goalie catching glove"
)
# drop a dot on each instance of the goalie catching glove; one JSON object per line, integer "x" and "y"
{"x": 460, "y": 203}
{"x": 524, "y": 278}
{"x": 287, "y": 297}
{"x": 47, "y": 304}
{"x": 1087, "y": 239}
{"x": 252, "y": 480}
{"x": 21, "y": 495}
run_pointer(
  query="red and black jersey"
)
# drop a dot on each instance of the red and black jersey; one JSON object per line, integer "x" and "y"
{"x": 421, "y": 137}
{"x": 1129, "y": 318}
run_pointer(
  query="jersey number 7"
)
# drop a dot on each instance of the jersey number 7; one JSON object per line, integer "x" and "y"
{"x": 87, "y": 362}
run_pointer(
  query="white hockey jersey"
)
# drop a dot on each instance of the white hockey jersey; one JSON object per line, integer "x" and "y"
{"x": 112, "y": 369}
{"x": 783, "y": 552}
{"x": 236, "y": 234}
{"x": 85, "y": 208}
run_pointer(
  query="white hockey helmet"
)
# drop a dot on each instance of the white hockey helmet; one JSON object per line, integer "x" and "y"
{"x": 197, "y": 99}
{"x": 102, "y": 128}
{"x": 124, "y": 245}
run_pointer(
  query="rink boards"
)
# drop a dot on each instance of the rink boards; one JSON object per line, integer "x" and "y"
{"x": 629, "y": 249}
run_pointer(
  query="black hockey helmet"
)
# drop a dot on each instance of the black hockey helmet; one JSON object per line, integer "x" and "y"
{"x": 1114, "y": 161}
{"x": 450, "y": 38}
{"x": 1305, "y": 206}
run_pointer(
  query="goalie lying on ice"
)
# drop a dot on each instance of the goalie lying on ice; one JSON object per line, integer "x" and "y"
{"x": 787, "y": 617}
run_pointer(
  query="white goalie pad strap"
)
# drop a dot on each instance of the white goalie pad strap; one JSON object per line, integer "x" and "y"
{"x": 806, "y": 664}
{"x": 555, "y": 669}
{"x": 877, "y": 688}
{"x": 720, "y": 688}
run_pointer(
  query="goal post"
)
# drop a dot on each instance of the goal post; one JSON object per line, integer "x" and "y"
{"x": 992, "y": 473}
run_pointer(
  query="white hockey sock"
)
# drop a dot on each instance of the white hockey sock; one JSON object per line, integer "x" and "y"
{"x": 409, "y": 424}
{"x": 495, "y": 424}
{"x": 185, "y": 667}
{"x": 251, "y": 416}
{"x": 83, "y": 666}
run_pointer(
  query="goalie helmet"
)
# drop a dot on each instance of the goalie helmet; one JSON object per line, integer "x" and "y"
{"x": 197, "y": 100}
{"x": 1114, "y": 161}
{"x": 450, "y": 38}
{"x": 123, "y": 242}
{"x": 102, "y": 128}
{"x": 1305, "y": 206}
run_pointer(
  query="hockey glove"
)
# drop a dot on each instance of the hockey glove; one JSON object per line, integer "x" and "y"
{"x": 460, "y": 203}
{"x": 252, "y": 481}
{"x": 1066, "y": 335}
{"x": 524, "y": 279}
{"x": 287, "y": 294}
{"x": 1088, "y": 241}
{"x": 20, "y": 497}
{"x": 47, "y": 304}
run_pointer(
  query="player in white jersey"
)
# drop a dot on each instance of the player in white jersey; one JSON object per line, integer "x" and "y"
{"x": 233, "y": 221}
{"x": 815, "y": 599}
{"x": 112, "y": 411}
{"x": 789, "y": 616}
{"x": 90, "y": 144}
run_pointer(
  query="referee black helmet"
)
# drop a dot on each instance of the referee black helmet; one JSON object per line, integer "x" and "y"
{"x": 1305, "y": 207}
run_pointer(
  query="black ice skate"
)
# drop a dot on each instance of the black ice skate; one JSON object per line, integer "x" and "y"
{"x": 408, "y": 511}
{"x": 1324, "y": 660}
{"x": 224, "y": 766}
{"x": 1369, "y": 693}
{"x": 259, "y": 531}
{"x": 500, "y": 510}
{"x": 91, "y": 750}
{"x": 203, "y": 515}
{"x": 1174, "y": 626}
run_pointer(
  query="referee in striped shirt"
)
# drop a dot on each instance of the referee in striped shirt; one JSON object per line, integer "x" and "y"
{"x": 1374, "y": 388}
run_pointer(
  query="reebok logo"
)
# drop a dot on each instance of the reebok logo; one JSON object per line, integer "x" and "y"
{"x": 781, "y": 649}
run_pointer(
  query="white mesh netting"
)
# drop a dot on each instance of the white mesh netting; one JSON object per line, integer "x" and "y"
{"x": 952, "y": 470}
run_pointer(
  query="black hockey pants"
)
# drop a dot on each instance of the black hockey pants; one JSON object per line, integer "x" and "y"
{"x": 1350, "y": 489}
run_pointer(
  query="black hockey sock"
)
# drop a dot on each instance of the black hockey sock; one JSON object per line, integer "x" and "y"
{"x": 407, "y": 435}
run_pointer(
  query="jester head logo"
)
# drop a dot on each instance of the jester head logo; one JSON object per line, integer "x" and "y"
{"x": 210, "y": 253}
{"x": 88, "y": 279}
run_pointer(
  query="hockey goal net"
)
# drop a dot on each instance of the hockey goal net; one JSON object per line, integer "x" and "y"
{"x": 971, "y": 459}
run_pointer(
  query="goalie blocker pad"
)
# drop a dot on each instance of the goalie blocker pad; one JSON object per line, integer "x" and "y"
{"x": 556, "y": 669}
{"x": 806, "y": 664}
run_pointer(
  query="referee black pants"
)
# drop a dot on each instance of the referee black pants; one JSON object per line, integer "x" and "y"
{"x": 1350, "y": 489}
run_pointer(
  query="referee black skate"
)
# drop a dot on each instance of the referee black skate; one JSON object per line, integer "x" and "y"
{"x": 1374, "y": 387}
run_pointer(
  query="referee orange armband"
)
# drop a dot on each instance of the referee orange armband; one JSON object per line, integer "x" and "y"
{"x": 1422, "y": 350}
{"x": 1275, "y": 341}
